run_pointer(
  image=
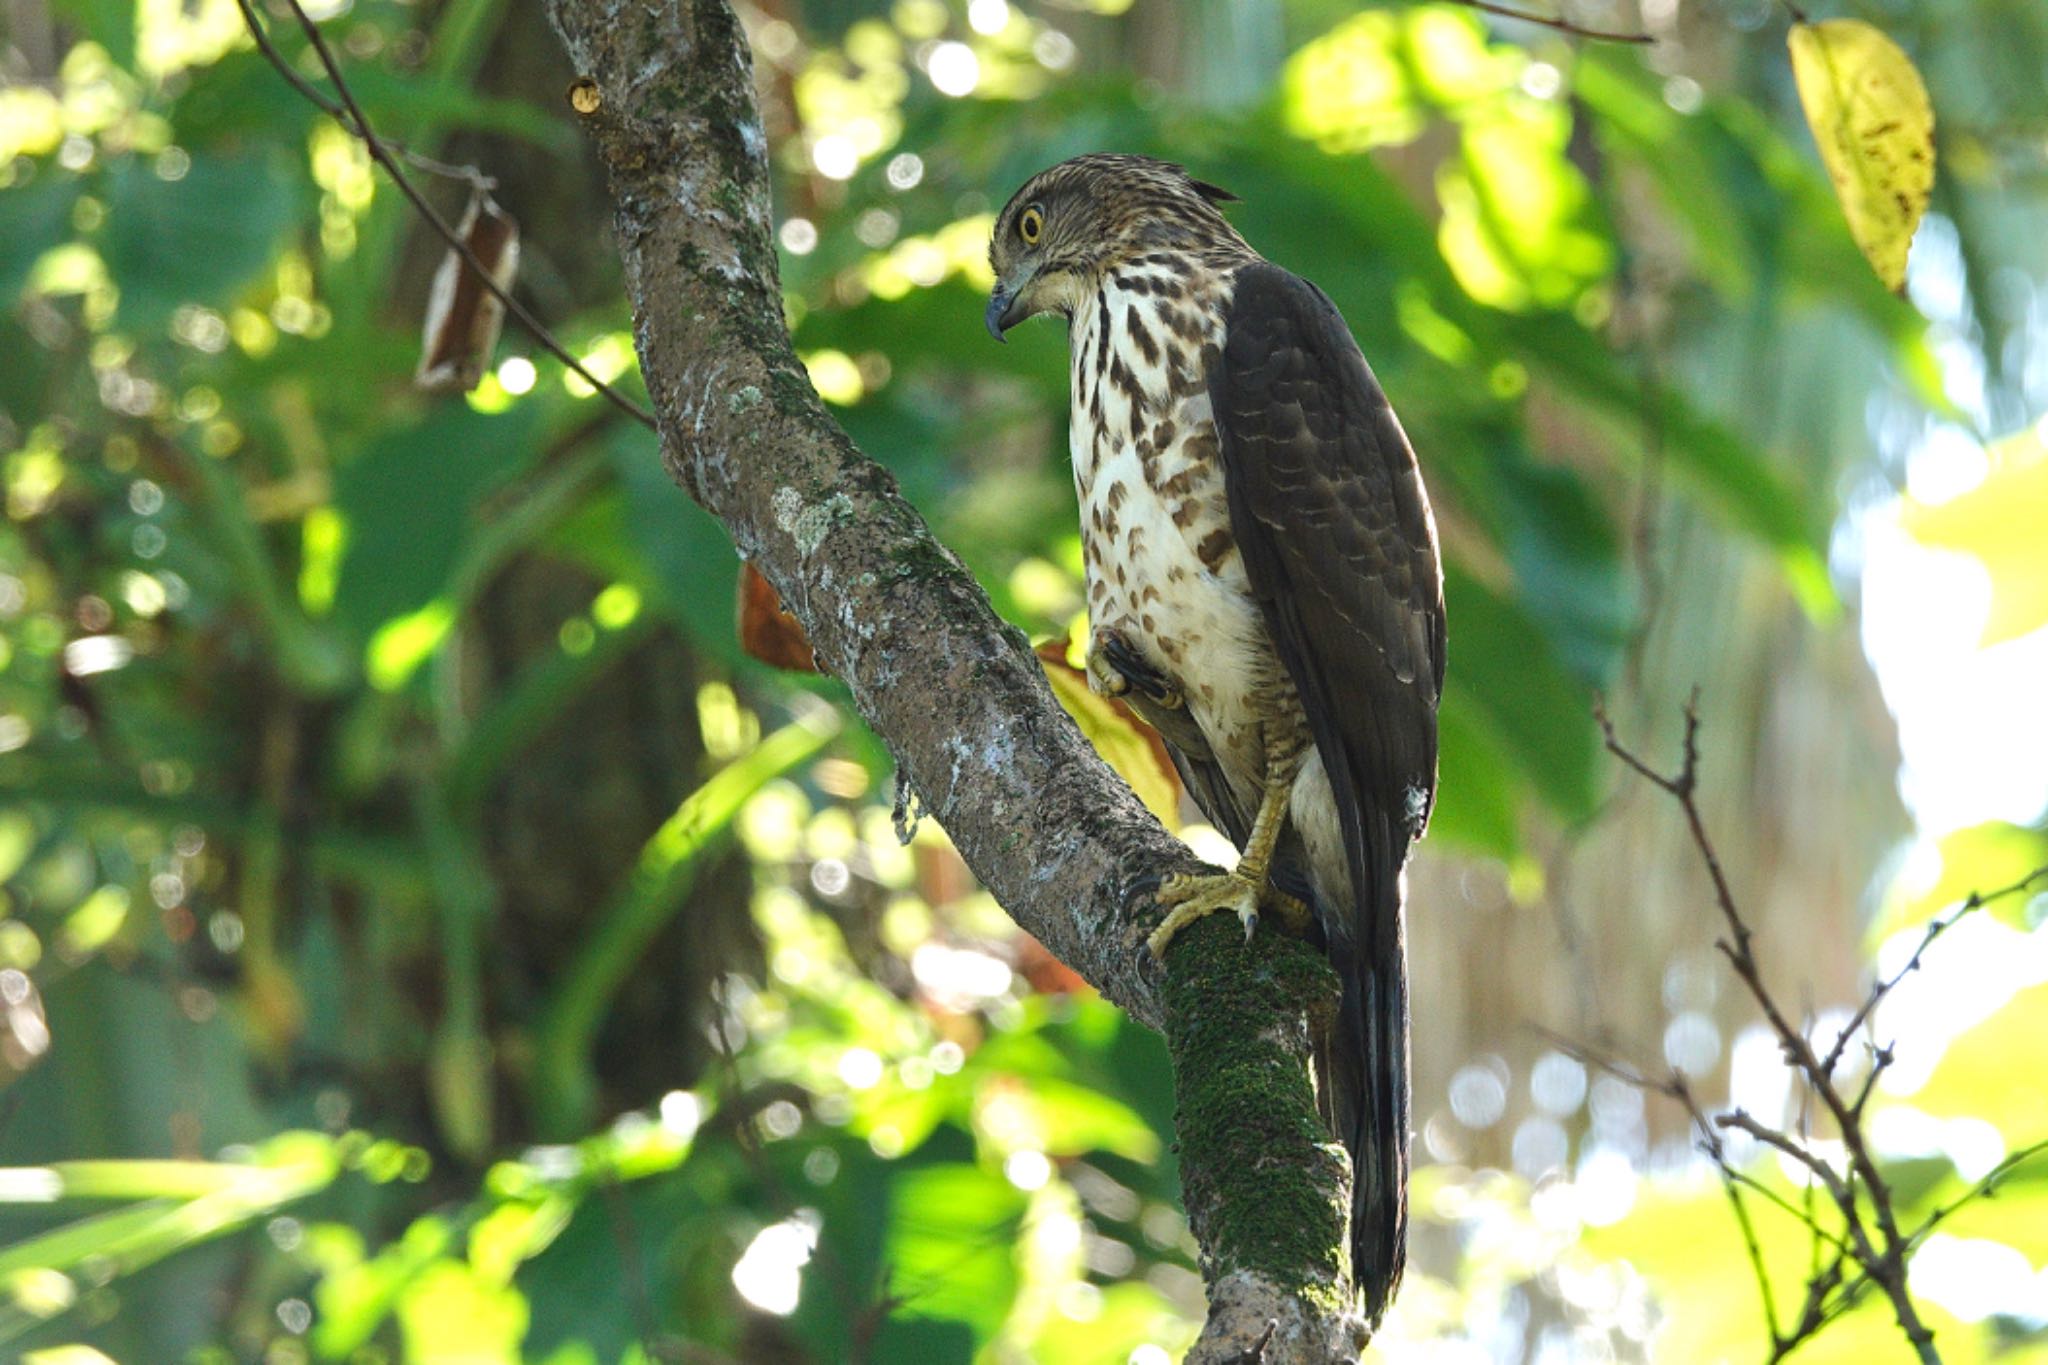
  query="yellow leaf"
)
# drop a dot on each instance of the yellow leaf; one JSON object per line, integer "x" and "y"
{"x": 1999, "y": 522}
{"x": 1124, "y": 744}
{"x": 1981, "y": 858}
{"x": 1869, "y": 112}
{"x": 1993, "y": 1072}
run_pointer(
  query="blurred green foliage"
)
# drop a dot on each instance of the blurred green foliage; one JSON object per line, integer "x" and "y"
{"x": 426, "y": 937}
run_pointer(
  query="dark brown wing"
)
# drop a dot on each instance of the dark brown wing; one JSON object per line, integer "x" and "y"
{"x": 1329, "y": 514}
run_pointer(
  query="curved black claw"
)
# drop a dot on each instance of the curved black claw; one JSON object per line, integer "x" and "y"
{"x": 1143, "y": 889}
{"x": 1141, "y": 675}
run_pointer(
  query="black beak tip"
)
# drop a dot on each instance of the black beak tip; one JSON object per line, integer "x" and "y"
{"x": 998, "y": 304}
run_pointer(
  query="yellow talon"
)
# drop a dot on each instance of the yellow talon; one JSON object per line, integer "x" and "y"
{"x": 1190, "y": 897}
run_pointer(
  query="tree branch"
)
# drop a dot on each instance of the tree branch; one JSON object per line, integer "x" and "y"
{"x": 666, "y": 91}
{"x": 1871, "y": 1241}
{"x": 1562, "y": 25}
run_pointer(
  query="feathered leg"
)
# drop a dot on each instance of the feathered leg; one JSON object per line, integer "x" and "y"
{"x": 1245, "y": 888}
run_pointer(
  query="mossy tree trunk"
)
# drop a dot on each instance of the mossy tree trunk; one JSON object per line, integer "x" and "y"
{"x": 666, "y": 90}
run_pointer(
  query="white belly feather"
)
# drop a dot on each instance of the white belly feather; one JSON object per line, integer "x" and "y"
{"x": 1161, "y": 566}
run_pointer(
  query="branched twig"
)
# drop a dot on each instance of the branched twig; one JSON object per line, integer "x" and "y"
{"x": 1936, "y": 927}
{"x": 315, "y": 96}
{"x": 1871, "y": 1241}
{"x": 1562, "y": 25}
{"x": 349, "y": 114}
{"x": 1985, "y": 1188}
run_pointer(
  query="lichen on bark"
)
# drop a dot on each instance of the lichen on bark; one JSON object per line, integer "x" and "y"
{"x": 953, "y": 690}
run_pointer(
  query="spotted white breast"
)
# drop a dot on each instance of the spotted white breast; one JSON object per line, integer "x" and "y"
{"x": 1162, "y": 566}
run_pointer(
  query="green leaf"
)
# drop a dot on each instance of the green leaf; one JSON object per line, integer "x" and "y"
{"x": 409, "y": 504}
{"x": 110, "y": 23}
{"x": 652, "y": 535}
{"x": 199, "y": 239}
{"x": 1477, "y": 790}
{"x": 949, "y": 1246}
{"x": 1715, "y": 464}
{"x": 622, "y": 929}
{"x": 1505, "y": 674}
{"x": 33, "y": 218}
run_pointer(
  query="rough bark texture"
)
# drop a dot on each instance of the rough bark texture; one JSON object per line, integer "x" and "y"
{"x": 667, "y": 93}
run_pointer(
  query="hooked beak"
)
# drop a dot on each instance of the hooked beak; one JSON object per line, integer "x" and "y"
{"x": 1004, "y": 309}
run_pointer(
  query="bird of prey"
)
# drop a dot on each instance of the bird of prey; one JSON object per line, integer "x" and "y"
{"x": 1263, "y": 586}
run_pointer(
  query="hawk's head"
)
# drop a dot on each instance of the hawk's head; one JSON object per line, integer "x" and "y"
{"x": 1072, "y": 223}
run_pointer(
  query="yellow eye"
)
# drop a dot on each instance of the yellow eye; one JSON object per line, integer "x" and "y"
{"x": 1031, "y": 225}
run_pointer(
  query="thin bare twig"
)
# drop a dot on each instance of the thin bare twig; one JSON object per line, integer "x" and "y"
{"x": 1983, "y": 1189}
{"x": 1936, "y": 927}
{"x": 349, "y": 114}
{"x": 1871, "y": 1239}
{"x": 1600, "y": 35}
{"x": 321, "y": 100}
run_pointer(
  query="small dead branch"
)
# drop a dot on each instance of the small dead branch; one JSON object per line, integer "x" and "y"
{"x": 1562, "y": 25}
{"x": 1862, "y": 1247}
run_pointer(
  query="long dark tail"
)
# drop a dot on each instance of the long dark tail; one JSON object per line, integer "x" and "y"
{"x": 1365, "y": 1075}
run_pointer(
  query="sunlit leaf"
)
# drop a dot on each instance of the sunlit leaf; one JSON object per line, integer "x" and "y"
{"x": 1130, "y": 1315}
{"x": 96, "y": 920}
{"x": 1348, "y": 90}
{"x": 2000, "y": 522}
{"x": 1073, "y": 1120}
{"x": 1685, "y": 1241}
{"x": 1978, "y": 860}
{"x": 453, "y": 1313}
{"x": 17, "y": 841}
{"x": 67, "y": 1355}
{"x": 907, "y": 1116}
{"x": 2015, "y": 1214}
{"x": 1125, "y": 743}
{"x": 1518, "y": 226}
{"x": 1981, "y": 1075}
{"x": 1870, "y": 114}
{"x": 354, "y": 1299}
{"x": 949, "y": 1243}
{"x": 405, "y": 642}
